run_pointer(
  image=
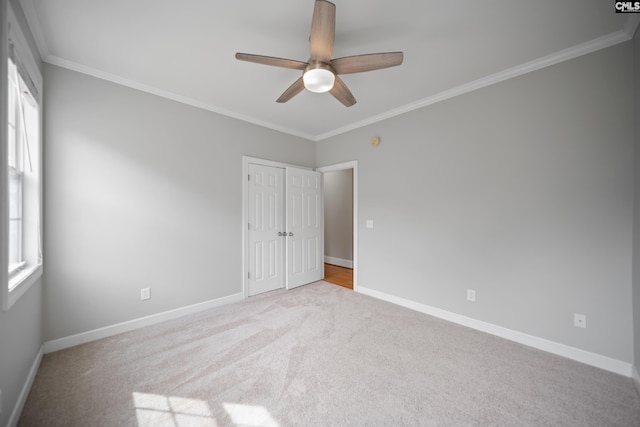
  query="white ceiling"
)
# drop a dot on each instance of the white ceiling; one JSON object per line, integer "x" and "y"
{"x": 185, "y": 50}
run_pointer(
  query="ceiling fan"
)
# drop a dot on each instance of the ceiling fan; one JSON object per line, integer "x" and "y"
{"x": 320, "y": 72}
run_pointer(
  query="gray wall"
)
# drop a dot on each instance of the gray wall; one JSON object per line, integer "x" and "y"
{"x": 636, "y": 240}
{"x": 338, "y": 214}
{"x": 21, "y": 338}
{"x": 20, "y": 326}
{"x": 522, "y": 191}
{"x": 142, "y": 192}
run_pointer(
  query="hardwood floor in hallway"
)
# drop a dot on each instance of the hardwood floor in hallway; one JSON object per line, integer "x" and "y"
{"x": 337, "y": 275}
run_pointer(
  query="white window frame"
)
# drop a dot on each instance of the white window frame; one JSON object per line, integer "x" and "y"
{"x": 22, "y": 281}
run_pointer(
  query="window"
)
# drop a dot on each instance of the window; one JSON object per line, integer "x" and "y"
{"x": 23, "y": 168}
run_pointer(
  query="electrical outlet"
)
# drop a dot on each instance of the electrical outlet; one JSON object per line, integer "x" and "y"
{"x": 579, "y": 320}
{"x": 145, "y": 293}
{"x": 471, "y": 295}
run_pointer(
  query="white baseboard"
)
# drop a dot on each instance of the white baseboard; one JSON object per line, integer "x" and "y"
{"x": 636, "y": 378}
{"x": 26, "y": 388}
{"x": 338, "y": 261}
{"x": 108, "y": 331}
{"x": 593, "y": 359}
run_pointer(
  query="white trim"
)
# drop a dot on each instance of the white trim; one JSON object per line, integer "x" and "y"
{"x": 593, "y": 359}
{"x": 605, "y": 41}
{"x": 32, "y": 274}
{"x": 527, "y": 67}
{"x": 118, "y": 328}
{"x": 74, "y": 66}
{"x": 636, "y": 378}
{"x": 15, "y": 268}
{"x": 4, "y": 198}
{"x": 26, "y": 388}
{"x": 273, "y": 163}
{"x": 243, "y": 226}
{"x": 26, "y": 279}
{"x": 347, "y": 263}
{"x": 353, "y": 164}
{"x": 543, "y": 62}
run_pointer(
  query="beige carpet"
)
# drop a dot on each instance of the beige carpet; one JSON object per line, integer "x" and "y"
{"x": 320, "y": 355}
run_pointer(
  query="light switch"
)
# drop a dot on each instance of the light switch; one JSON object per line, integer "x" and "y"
{"x": 369, "y": 223}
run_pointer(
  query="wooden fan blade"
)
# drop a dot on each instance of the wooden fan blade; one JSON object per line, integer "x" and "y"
{"x": 292, "y": 91}
{"x": 323, "y": 28}
{"x": 369, "y": 62}
{"x": 270, "y": 60}
{"x": 342, "y": 93}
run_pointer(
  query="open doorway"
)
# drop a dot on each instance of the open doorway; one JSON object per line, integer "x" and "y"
{"x": 340, "y": 224}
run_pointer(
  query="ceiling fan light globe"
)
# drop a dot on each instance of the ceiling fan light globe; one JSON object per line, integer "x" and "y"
{"x": 318, "y": 80}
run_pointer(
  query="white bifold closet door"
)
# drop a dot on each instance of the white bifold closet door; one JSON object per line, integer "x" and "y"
{"x": 266, "y": 244}
{"x": 285, "y": 228}
{"x": 304, "y": 227}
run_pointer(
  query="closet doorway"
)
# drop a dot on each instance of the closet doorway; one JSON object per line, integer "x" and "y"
{"x": 282, "y": 226}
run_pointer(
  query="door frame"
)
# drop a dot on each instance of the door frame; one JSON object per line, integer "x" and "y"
{"x": 344, "y": 166}
{"x": 245, "y": 205}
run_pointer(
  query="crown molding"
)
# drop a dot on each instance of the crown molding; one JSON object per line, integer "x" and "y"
{"x": 74, "y": 66}
{"x": 625, "y": 34}
{"x": 518, "y": 70}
